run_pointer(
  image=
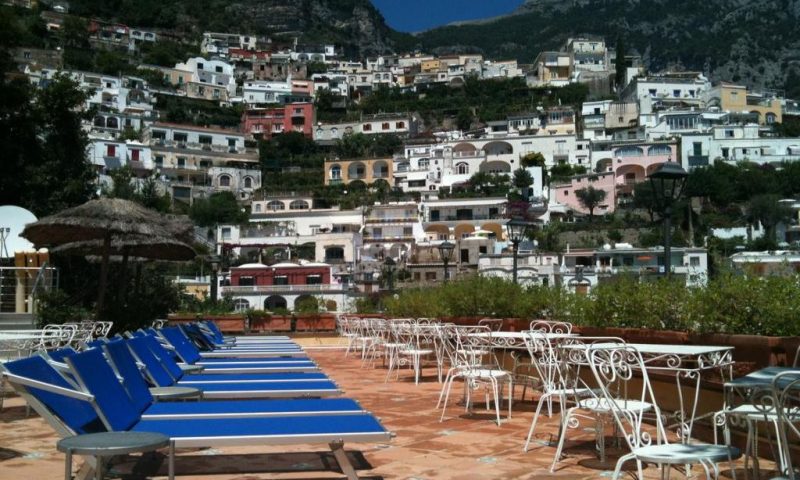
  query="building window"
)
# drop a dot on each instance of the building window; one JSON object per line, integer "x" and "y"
{"x": 385, "y": 126}
{"x": 247, "y": 281}
{"x": 226, "y": 233}
{"x": 424, "y": 163}
{"x": 111, "y": 150}
{"x": 725, "y": 152}
{"x": 298, "y": 205}
{"x": 159, "y": 160}
{"x": 676, "y": 93}
{"x": 134, "y": 155}
{"x": 400, "y": 125}
{"x": 314, "y": 279}
{"x": 275, "y": 205}
{"x": 694, "y": 261}
{"x": 257, "y": 208}
{"x": 280, "y": 280}
{"x": 224, "y": 181}
{"x": 248, "y": 182}
{"x": 430, "y": 276}
{"x": 728, "y": 133}
{"x": 366, "y": 127}
{"x": 336, "y": 172}
{"x": 697, "y": 148}
{"x": 462, "y": 168}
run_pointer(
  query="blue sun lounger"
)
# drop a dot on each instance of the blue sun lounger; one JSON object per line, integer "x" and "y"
{"x": 214, "y": 330}
{"x": 215, "y": 351}
{"x": 101, "y": 404}
{"x": 264, "y": 365}
{"x": 139, "y": 392}
{"x": 156, "y": 358}
{"x": 159, "y": 376}
{"x": 189, "y": 354}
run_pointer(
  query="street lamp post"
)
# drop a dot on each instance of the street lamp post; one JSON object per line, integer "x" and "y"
{"x": 389, "y": 264}
{"x": 215, "y": 261}
{"x": 667, "y": 182}
{"x": 445, "y": 251}
{"x": 516, "y": 233}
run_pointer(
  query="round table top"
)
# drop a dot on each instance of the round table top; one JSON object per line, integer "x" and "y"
{"x": 175, "y": 393}
{"x": 186, "y": 368}
{"x": 112, "y": 443}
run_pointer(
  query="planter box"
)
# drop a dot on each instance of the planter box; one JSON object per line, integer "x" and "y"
{"x": 321, "y": 322}
{"x": 275, "y": 323}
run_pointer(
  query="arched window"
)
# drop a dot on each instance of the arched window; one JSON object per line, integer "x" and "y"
{"x": 659, "y": 150}
{"x": 241, "y": 305}
{"x": 257, "y": 208}
{"x": 99, "y": 121}
{"x": 298, "y": 205}
{"x": 336, "y": 172}
{"x": 224, "y": 180}
{"x": 276, "y": 205}
{"x": 770, "y": 118}
{"x": 112, "y": 122}
{"x": 462, "y": 168}
{"x": 248, "y": 182}
{"x": 424, "y": 162}
{"x": 629, "y": 152}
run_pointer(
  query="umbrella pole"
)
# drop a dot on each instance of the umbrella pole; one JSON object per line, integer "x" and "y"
{"x": 123, "y": 283}
{"x": 103, "y": 274}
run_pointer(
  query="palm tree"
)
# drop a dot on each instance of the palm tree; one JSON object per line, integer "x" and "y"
{"x": 590, "y": 198}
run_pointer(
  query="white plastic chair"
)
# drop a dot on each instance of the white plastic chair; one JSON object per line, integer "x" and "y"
{"x": 620, "y": 364}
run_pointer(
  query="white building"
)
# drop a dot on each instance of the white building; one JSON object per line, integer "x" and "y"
{"x": 671, "y": 89}
{"x": 734, "y": 143}
{"x": 210, "y": 72}
{"x": 398, "y": 124}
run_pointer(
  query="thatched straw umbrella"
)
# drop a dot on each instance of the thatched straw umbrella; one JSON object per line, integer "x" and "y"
{"x": 104, "y": 221}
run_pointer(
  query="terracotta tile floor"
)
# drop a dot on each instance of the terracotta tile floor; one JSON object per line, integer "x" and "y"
{"x": 462, "y": 447}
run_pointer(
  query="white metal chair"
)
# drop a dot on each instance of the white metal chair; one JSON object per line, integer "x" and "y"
{"x": 465, "y": 357}
{"x": 617, "y": 363}
{"x": 786, "y": 396}
{"x": 574, "y": 354}
{"x": 558, "y": 381}
{"x": 419, "y": 339}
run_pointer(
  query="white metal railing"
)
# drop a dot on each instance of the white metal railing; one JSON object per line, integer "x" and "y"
{"x": 19, "y": 285}
{"x": 319, "y": 288}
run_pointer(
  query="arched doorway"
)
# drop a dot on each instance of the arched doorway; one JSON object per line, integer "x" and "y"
{"x": 274, "y": 302}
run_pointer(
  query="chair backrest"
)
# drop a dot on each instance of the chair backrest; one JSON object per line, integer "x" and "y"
{"x": 198, "y": 337}
{"x": 183, "y": 347}
{"x": 786, "y": 397}
{"x": 164, "y": 357}
{"x": 77, "y": 415}
{"x": 60, "y": 354}
{"x": 494, "y": 324}
{"x": 473, "y": 342}
{"x": 548, "y": 326}
{"x": 156, "y": 372}
{"x": 612, "y": 364}
{"x": 97, "y": 377}
{"x": 125, "y": 364}
{"x": 214, "y": 329}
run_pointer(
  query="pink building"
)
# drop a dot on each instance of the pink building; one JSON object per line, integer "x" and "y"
{"x": 618, "y": 170}
{"x": 565, "y": 193}
{"x": 266, "y": 122}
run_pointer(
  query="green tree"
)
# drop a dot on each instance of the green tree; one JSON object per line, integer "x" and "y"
{"x": 45, "y": 145}
{"x": 464, "y": 119}
{"x": 767, "y": 209}
{"x": 522, "y": 180}
{"x": 590, "y": 198}
{"x": 644, "y": 198}
{"x": 123, "y": 185}
{"x": 219, "y": 208}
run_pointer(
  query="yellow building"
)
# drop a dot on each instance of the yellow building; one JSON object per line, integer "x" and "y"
{"x": 362, "y": 170}
{"x": 736, "y": 99}
{"x": 432, "y": 65}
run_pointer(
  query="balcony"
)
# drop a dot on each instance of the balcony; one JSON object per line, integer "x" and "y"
{"x": 270, "y": 289}
{"x": 698, "y": 160}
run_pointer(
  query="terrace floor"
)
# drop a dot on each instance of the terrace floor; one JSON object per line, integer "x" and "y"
{"x": 461, "y": 447}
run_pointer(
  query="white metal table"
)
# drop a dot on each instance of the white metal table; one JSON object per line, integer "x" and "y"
{"x": 686, "y": 363}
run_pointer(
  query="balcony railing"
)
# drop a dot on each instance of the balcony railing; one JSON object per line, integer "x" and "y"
{"x": 698, "y": 160}
{"x": 265, "y": 289}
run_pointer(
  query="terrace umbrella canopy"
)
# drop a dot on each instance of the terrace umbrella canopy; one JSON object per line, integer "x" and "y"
{"x": 105, "y": 221}
{"x": 133, "y": 246}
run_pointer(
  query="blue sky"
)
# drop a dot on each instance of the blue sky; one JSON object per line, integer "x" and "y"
{"x": 417, "y": 15}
